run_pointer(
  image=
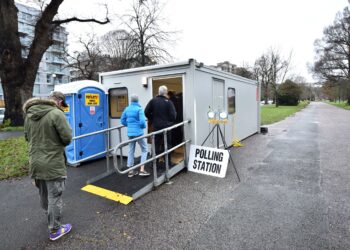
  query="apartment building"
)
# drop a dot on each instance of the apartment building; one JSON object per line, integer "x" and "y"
{"x": 226, "y": 66}
{"x": 52, "y": 69}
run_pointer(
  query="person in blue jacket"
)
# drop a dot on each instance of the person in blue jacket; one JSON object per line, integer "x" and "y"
{"x": 133, "y": 118}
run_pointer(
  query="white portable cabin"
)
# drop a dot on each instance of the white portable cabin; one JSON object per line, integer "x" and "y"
{"x": 197, "y": 87}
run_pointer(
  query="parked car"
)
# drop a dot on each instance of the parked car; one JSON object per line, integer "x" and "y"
{"x": 269, "y": 102}
{"x": 2, "y": 114}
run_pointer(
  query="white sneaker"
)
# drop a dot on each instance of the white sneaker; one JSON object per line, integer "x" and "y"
{"x": 132, "y": 173}
{"x": 144, "y": 173}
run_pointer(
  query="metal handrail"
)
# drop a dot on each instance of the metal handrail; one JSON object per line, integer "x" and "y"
{"x": 107, "y": 151}
{"x": 122, "y": 144}
{"x": 154, "y": 157}
{"x": 97, "y": 132}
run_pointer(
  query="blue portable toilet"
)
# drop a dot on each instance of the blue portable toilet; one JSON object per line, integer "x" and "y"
{"x": 87, "y": 112}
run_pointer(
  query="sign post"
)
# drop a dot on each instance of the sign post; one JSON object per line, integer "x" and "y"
{"x": 219, "y": 135}
{"x": 209, "y": 161}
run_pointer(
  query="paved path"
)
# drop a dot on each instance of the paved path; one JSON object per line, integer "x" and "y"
{"x": 5, "y": 135}
{"x": 299, "y": 195}
{"x": 294, "y": 194}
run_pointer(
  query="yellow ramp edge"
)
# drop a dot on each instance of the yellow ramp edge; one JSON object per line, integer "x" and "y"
{"x": 124, "y": 199}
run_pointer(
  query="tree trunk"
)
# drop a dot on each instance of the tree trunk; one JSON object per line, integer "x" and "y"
{"x": 18, "y": 74}
{"x": 348, "y": 92}
{"x": 266, "y": 92}
{"x": 276, "y": 98}
{"x": 14, "y": 103}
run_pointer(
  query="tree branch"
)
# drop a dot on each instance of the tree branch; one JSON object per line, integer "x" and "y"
{"x": 76, "y": 19}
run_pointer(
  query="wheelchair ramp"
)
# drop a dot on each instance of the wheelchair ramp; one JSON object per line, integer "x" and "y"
{"x": 122, "y": 189}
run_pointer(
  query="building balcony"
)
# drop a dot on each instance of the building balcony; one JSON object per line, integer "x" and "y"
{"x": 62, "y": 39}
{"x": 55, "y": 61}
{"x": 56, "y": 49}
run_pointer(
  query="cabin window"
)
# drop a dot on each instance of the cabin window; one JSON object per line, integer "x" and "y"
{"x": 118, "y": 101}
{"x": 231, "y": 100}
{"x": 218, "y": 93}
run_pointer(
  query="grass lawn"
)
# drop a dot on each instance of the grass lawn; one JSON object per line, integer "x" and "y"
{"x": 271, "y": 114}
{"x": 13, "y": 158}
{"x": 343, "y": 105}
{"x": 6, "y": 127}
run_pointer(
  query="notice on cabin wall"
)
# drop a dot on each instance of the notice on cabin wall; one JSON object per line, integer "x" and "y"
{"x": 208, "y": 161}
{"x": 92, "y": 99}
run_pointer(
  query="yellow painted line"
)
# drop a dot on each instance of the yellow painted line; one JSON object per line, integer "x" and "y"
{"x": 124, "y": 199}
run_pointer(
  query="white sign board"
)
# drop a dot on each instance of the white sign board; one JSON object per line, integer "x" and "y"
{"x": 209, "y": 161}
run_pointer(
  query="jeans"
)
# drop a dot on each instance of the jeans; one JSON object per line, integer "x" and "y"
{"x": 143, "y": 144}
{"x": 51, "y": 200}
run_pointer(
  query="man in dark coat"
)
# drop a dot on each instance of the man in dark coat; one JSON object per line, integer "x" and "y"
{"x": 48, "y": 132}
{"x": 161, "y": 113}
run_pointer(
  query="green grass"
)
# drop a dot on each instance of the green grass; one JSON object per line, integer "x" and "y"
{"x": 271, "y": 114}
{"x": 6, "y": 127}
{"x": 13, "y": 158}
{"x": 343, "y": 105}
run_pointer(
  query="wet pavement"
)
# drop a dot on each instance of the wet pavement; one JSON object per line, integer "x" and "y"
{"x": 294, "y": 194}
{"x": 5, "y": 135}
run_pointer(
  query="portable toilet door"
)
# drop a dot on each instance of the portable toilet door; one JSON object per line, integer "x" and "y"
{"x": 69, "y": 113}
{"x": 91, "y": 116}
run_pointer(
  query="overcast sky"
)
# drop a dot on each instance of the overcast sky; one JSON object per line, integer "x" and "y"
{"x": 238, "y": 31}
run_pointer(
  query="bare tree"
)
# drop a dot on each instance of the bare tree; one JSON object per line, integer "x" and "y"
{"x": 262, "y": 73}
{"x": 307, "y": 88}
{"x": 245, "y": 71}
{"x": 18, "y": 73}
{"x": 143, "y": 24}
{"x": 333, "y": 52}
{"x": 278, "y": 70}
{"x": 86, "y": 64}
{"x": 121, "y": 48}
{"x": 270, "y": 70}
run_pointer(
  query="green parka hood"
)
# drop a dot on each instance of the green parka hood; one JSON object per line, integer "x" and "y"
{"x": 36, "y": 108}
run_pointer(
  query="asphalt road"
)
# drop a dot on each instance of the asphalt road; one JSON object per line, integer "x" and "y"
{"x": 294, "y": 194}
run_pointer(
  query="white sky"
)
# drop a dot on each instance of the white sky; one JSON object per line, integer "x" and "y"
{"x": 228, "y": 30}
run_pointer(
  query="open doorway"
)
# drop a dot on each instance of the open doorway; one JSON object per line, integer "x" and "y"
{"x": 175, "y": 94}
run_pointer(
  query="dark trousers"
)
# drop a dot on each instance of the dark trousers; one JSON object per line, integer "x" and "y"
{"x": 159, "y": 144}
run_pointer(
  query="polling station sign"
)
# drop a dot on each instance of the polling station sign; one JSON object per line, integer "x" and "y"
{"x": 209, "y": 161}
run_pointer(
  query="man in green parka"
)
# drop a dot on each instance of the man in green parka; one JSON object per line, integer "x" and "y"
{"x": 48, "y": 133}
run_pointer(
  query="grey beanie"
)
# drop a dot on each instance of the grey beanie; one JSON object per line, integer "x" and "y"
{"x": 134, "y": 98}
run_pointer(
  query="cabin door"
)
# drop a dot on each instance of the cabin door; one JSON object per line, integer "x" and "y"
{"x": 175, "y": 91}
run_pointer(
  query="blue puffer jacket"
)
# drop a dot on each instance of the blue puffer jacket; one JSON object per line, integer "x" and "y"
{"x": 134, "y": 119}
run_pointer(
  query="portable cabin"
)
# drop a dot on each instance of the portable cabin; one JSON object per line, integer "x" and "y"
{"x": 87, "y": 112}
{"x": 196, "y": 89}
